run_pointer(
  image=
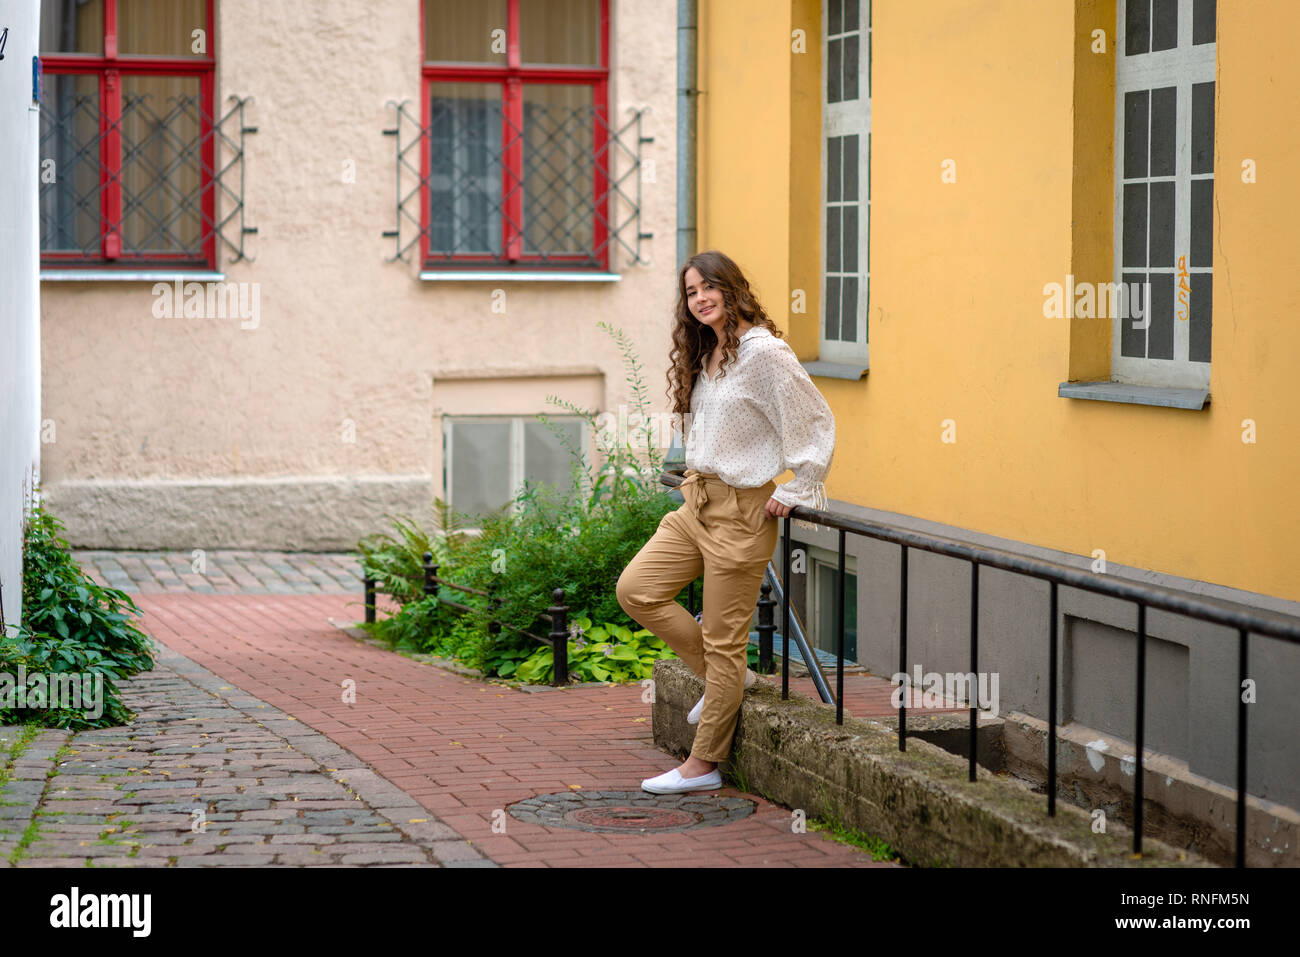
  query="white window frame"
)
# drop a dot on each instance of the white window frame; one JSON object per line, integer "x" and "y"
{"x": 851, "y": 118}
{"x": 515, "y": 458}
{"x": 1181, "y": 67}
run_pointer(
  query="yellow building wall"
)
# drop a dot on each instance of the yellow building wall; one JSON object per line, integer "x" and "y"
{"x": 1010, "y": 92}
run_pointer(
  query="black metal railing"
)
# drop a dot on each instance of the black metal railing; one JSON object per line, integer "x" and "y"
{"x": 1245, "y": 620}
{"x": 557, "y": 641}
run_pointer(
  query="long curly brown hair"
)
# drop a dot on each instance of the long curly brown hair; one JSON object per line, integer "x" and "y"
{"x": 693, "y": 341}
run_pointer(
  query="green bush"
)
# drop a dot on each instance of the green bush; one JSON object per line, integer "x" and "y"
{"x": 411, "y": 629}
{"x": 580, "y": 542}
{"x": 55, "y": 656}
{"x": 396, "y": 563}
{"x": 460, "y": 640}
{"x": 601, "y": 653}
{"x": 521, "y": 559}
{"x": 70, "y": 624}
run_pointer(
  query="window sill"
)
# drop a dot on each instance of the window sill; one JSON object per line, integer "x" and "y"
{"x": 1135, "y": 394}
{"x": 517, "y": 276}
{"x": 130, "y": 275}
{"x": 835, "y": 370}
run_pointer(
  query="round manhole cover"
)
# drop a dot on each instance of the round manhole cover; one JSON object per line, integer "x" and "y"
{"x": 633, "y": 819}
{"x": 635, "y": 812}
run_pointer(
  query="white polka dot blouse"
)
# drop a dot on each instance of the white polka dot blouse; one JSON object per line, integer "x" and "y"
{"x": 759, "y": 417}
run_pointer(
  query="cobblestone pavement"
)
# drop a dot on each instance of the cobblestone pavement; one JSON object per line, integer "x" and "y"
{"x": 224, "y": 571}
{"x": 469, "y": 750}
{"x": 438, "y": 760}
{"x": 206, "y": 776}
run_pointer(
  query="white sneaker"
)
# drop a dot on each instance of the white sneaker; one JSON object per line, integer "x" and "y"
{"x": 672, "y": 782}
{"x": 693, "y": 717}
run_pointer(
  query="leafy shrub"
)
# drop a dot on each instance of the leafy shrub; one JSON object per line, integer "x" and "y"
{"x": 410, "y": 630}
{"x": 71, "y": 624}
{"x": 46, "y": 655}
{"x": 460, "y": 640}
{"x": 396, "y": 563}
{"x": 523, "y": 558}
{"x": 609, "y": 652}
{"x": 580, "y": 542}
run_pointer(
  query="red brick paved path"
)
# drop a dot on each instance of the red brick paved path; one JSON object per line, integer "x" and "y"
{"x": 464, "y": 748}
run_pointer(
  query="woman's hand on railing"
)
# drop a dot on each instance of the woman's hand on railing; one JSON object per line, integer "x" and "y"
{"x": 777, "y": 509}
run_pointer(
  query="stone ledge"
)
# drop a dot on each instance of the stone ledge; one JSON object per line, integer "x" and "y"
{"x": 836, "y": 370}
{"x": 920, "y": 801}
{"x": 1106, "y": 391}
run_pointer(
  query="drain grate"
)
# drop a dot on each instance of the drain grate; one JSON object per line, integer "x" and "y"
{"x": 630, "y": 812}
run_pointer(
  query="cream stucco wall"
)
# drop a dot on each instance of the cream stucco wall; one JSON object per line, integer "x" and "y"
{"x": 199, "y": 433}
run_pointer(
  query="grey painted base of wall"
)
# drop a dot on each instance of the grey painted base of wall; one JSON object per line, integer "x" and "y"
{"x": 919, "y": 801}
{"x": 1097, "y": 771}
{"x": 294, "y": 513}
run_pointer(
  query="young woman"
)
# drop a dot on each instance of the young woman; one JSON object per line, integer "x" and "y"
{"x": 754, "y": 413}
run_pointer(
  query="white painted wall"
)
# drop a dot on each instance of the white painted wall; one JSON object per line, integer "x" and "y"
{"x": 20, "y": 341}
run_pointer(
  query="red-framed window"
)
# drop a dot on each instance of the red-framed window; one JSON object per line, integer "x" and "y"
{"x": 127, "y": 145}
{"x": 515, "y": 150}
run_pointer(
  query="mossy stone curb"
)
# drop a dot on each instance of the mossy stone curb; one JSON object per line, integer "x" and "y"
{"x": 920, "y": 801}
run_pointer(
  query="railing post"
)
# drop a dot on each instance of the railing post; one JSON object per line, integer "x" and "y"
{"x": 559, "y": 640}
{"x": 974, "y": 656}
{"x": 369, "y": 584}
{"x": 766, "y": 626}
{"x": 785, "y": 610}
{"x": 839, "y": 622}
{"x": 1241, "y": 747}
{"x": 430, "y": 575}
{"x": 1141, "y": 724}
{"x": 902, "y": 652}
{"x": 1051, "y": 710}
{"x": 494, "y": 603}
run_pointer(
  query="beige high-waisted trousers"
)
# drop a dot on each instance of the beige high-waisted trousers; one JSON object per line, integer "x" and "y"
{"x": 725, "y": 534}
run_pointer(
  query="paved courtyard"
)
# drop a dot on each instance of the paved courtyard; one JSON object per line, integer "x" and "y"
{"x": 270, "y": 736}
{"x": 206, "y": 776}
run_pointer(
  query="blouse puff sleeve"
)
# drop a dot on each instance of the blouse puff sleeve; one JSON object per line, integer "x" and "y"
{"x": 807, "y": 428}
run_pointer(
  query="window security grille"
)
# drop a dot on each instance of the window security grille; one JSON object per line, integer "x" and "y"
{"x": 572, "y": 199}
{"x": 161, "y": 183}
